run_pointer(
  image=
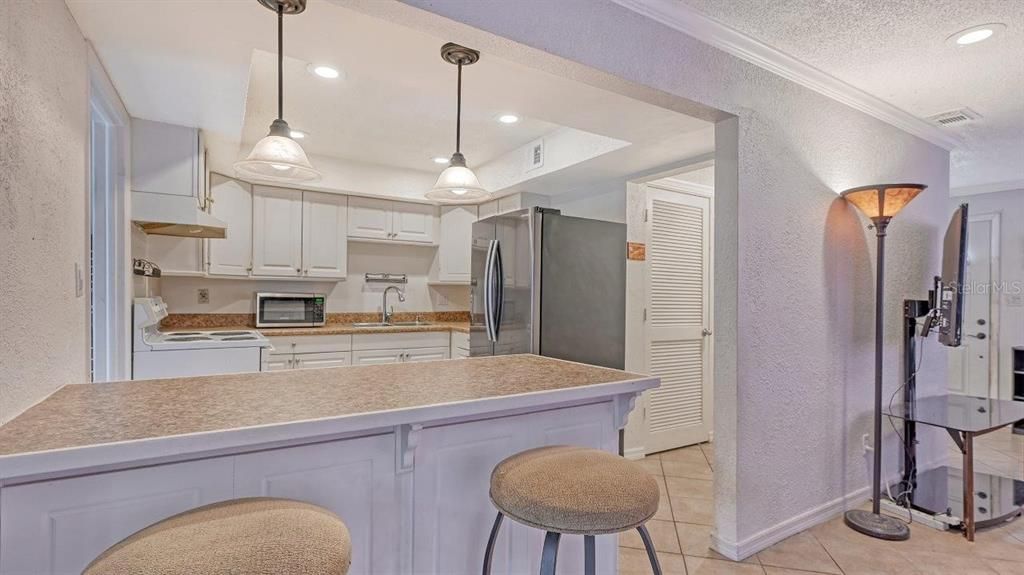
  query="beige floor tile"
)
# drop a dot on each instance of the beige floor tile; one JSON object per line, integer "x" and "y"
{"x": 801, "y": 551}
{"x": 635, "y": 562}
{"x": 691, "y": 454}
{"x": 662, "y": 532}
{"x": 695, "y": 469}
{"x": 651, "y": 465}
{"x": 1005, "y": 567}
{"x": 934, "y": 563}
{"x": 664, "y": 512}
{"x": 857, "y": 554}
{"x": 689, "y": 487}
{"x": 705, "y": 566}
{"x": 783, "y": 571}
{"x": 690, "y": 510}
{"x": 998, "y": 544}
{"x": 695, "y": 540}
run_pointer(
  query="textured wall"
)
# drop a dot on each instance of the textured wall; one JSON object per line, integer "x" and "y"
{"x": 44, "y": 130}
{"x": 794, "y": 340}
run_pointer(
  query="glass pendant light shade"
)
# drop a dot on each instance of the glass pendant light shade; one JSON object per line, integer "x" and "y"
{"x": 277, "y": 157}
{"x": 884, "y": 201}
{"x": 457, "y": 184}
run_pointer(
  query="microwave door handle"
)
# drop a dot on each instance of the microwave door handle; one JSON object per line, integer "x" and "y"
{"x": 499, "y": 275}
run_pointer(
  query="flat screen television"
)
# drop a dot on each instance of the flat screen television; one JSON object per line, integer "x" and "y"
{"x": 950, "y": 285}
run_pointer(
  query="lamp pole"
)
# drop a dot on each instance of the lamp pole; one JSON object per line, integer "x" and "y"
{"x": 876, "y": 484}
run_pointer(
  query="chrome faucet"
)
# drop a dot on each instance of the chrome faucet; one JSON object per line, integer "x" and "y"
{"x": 385, "y": 315}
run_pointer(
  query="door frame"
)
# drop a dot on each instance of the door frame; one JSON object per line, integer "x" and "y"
{"x": 995, "y": 300}
{"x": 111, "y": 359}
{"x": 635, "y": 444}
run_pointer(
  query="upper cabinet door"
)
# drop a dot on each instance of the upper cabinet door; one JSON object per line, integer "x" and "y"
{"x": 369, "y": 218}
{"x": 455, "y": 243}
{"x": 165, "y": 158}
{"x": 413, "y": 222}
{"x": 277, "y": 232}
{"x": 232, "y": 202}
{"x": 324, "y": 235}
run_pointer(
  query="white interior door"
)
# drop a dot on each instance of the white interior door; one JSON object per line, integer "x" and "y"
{"x": 973, "y": 366}
{"x": 678, "y": 312}
{"x": 324, "y": 235}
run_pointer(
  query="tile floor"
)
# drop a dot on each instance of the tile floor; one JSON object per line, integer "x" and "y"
{"x": 681, "y": 530}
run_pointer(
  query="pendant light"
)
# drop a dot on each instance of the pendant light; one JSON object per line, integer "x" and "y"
{"x": 277, "y": 156}
{"x": 457, "y": 183}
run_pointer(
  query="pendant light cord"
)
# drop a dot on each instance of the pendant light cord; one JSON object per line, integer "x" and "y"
{"x": 458, "y": 113}
{"x": 280, "y": 60}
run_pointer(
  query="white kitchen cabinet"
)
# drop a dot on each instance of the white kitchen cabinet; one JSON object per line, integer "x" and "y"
{"x": 376, "y": 356}
{"x": 322, "y": 360}
{"x": 386, "y": 220}
{"x": 460, "y": 345}
{"x": 59, "y": 526}
{"x": 324, "y": 235}
{"x": 354, "y": 478}
{"x": 426, "y": 354}
{"x": 487, "y": 209}
{"x": 277, "y": 361}
{"x": 454, "y": 246}
{"x": 369, "y": 218}
{"x": 413, "y": 222}
{"x": 167, "y": 159}
{"x": 277, "y": 232}
{"x": 231, "y": 201}
{"x": 453, "y": 464}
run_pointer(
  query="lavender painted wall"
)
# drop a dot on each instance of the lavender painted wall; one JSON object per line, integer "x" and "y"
{"x": 794, "y": 333}
{"x": 44, "y": 131}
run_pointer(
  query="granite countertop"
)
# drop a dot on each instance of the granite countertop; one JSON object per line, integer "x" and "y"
{"x": 340, "y": 329}
{"x": 88, "y": 415}
{"x": 337, "y": 323}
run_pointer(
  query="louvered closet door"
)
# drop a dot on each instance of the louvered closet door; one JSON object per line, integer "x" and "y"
{"x": 678, "y": 253}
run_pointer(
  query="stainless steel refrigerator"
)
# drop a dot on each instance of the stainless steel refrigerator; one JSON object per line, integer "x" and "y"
{"x": 549, "y": 284}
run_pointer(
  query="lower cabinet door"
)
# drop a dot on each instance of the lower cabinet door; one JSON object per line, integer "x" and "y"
{"x": 277, "y": 361}
{"x": 426, "y": 354}
{"x": 320, "y": 360}
{"x": 60, "y": 526}
{"x": 452, "y": 514}
{"x": 354, "y": 478}
{"x": 376, "y": 356}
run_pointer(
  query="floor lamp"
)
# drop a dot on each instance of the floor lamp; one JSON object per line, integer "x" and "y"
{"x": 880, "y": 203}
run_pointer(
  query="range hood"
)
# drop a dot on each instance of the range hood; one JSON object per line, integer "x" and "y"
{"x": 173, "y": 215}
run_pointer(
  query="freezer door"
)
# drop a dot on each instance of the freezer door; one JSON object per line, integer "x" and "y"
{"x": 514, "y": 280}
{"x": 480, "y": 342}
{"x": 582, "y": 283}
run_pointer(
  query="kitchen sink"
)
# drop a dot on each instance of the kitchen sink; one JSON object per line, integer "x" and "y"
{"x": 409, "y": 323}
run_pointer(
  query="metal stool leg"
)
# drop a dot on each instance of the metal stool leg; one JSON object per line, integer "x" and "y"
{"x": 589, "y": 556}
{"x": 649, "y": 545}
{"x": 550, "y": 555}
{"x": 490, "y": 543}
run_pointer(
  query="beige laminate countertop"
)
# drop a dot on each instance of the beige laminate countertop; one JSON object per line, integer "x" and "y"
{"x": 347, "y": 328}
{"x": 88, "y": 415}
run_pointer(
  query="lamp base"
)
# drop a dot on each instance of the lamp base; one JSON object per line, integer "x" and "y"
{"x": 877, "y": 526}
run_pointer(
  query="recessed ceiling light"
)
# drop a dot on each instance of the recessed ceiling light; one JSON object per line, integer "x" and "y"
{"x": 324, "y": 71}
{"x": 508, "y": 118}
{"x": 440, "y": 160}
{"x": 297, "y": 134}
{"x": 976, "y": 34}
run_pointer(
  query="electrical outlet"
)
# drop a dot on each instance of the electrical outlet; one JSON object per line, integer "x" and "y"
{"x": 204, "y": 295}
{"x": 865, "y": 441}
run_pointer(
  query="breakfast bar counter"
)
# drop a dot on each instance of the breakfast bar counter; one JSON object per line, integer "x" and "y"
{"x": 401, "y": 452}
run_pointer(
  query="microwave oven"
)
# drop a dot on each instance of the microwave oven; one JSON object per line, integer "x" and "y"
{"x": 290, "y": 309}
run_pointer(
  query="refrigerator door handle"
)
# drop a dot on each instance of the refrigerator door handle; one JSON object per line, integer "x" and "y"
{"x": 499, "y": 289}
{"x": 489, "y": 292}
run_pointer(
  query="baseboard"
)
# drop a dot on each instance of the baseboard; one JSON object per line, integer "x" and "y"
{"x": 635, "y": 453}
{"x": 806, "y": 520}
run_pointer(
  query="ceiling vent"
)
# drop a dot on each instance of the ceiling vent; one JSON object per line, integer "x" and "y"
{"x": 955, "y": 117}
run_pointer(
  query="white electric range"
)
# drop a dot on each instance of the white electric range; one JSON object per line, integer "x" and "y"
{"x": 158, "y": 354}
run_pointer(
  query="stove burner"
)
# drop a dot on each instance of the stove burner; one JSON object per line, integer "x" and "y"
{"x": 230, "y": 333}
{"x": 238, "y": 338}
{"x": 190, "y": 338}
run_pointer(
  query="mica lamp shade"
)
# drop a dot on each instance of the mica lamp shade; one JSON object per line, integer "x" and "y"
{"x": 457, "y": 184}
{"x": 882, "y": 202}
{"x": 278, "y": 158}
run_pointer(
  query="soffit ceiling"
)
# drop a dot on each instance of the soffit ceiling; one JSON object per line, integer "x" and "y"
{"x": 897, "y": 50}
{"x": 212, "y": 65}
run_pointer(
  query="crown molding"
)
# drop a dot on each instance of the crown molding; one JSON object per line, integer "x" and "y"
{"x": 1007, "y": 186}
{"x": 674, "y": 14}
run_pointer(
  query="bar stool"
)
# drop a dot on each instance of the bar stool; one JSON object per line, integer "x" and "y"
{"x": 575, "y": 490}
{"x": 254, "y": 535}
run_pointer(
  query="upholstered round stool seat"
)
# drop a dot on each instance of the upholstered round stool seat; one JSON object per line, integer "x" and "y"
{"x": 574, "y": 490}
{"x": 253, "y": 536}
